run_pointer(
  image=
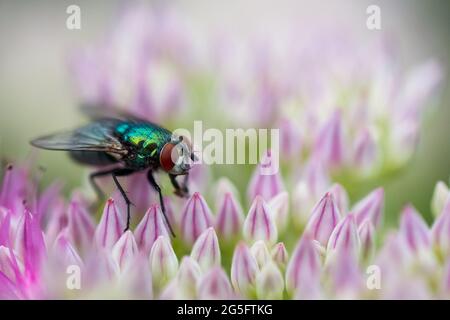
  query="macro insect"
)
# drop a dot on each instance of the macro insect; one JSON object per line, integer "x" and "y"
{"x": 123, "y": 145}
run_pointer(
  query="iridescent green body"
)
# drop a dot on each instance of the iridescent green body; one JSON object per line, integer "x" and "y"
{"x": 143, "y": 141}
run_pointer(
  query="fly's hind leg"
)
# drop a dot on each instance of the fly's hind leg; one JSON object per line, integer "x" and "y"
{"x": 152, "y": 181}
{"x": 95, "y": 186}
{"x": 115, "y": 172}
{"x": 120, "y": 173}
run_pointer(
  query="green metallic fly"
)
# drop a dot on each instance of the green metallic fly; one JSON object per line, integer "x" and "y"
{"x": 125, "y": 145}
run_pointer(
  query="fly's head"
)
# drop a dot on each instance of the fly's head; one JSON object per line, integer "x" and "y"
{"x": 177, "y": 156}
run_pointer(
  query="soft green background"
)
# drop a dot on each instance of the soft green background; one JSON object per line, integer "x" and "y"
{"x": 36, "y": 95}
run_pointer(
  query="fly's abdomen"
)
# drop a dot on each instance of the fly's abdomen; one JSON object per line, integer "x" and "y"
{"x": 93, "y": 158}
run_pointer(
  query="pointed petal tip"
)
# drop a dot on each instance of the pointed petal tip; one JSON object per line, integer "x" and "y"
{"x": 206, "y": 249}
{"x": 195, "y": 218}
{"x": 150, "y": 228}
{"x": 259, "y": 223}
{"x": 215, "y": 285}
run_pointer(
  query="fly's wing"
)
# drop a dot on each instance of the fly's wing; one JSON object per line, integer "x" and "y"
{"x": 96, "y": 113}
{"x": 96, "y": 136}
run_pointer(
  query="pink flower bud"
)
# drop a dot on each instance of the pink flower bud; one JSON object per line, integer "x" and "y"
{"x": 440, "y": 232}
{"x": 329, "y": 145}
{"x": 223, "y": 187}
{"x": 316, "y": 176}
{"x": 171, "y": 291}
{"x": 280, "y": 255}
{"x": 370, "y": 207}
{"x": 279, "y": 207}
{"x": 308, "y": 191}
{"x": 163, "y": 262}
{"x": 57, "y": 222}
{"x": 243, "y": 270}
{"x": 5, "y": 229}
{"x": 441, "y": 195}
{"x": 393, "y": 255}
{"x": 188, "y": 277}
{"x": 10, "y": 276}
{"x": 230, "y": 217}
{"x": 367, "y": 236}
{"x": 100, "y": 269}
{"x": 196, "y": 218}
{"x": 214, "y": 285}
{"x": 413, "y": 230}
{"x": 10, "y": 265}
{"x": 324, "y": 218}
{"x": 291, "y": 139}
{"x": 48, "y": 199}
{"x": 124, "y": 251}
{"x": 150, "y": 228}
{"x": 340, "y": 197}
{"x": 13, "y": 189}
{"x": 259, "y": 223}
{"x": 346, "y": 277}
{"x": 80, "y": 225}
{"x": 266, "y": 181}
{"x": 29, "y": 244}
{"x": 304, "y": 268}
{"x": 269, "y": 282}
{"x": 345, "y": 236}
{"x": 136, "y": 279}
{"x": 65, "y": 252}
{"x": 206, "y": 249}
{"x": 421, "y": 82}
{"x": 261, "y": 253}
{"x": 303, "y": 203}
{"x": 365, "y": 151}
{"x": 403, "y": 139}
{"x": 110, "y": 227}
{"x": 446, "y": 280}
{"x": 8, "y": 289}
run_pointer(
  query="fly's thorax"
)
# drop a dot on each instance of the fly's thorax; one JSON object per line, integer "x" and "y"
{"x": 143, "y": 142}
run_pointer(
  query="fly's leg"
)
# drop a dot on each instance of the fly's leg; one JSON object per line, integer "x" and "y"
{"x": 180, "y": 190}
{"x": 120, "y": 173}
{"x": 115, "y": 172}
{"x": 95, "y": 186}
{"x": 153, "y": 183}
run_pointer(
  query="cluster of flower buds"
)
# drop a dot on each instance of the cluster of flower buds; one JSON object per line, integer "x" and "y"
{"x": 49, "y": 249}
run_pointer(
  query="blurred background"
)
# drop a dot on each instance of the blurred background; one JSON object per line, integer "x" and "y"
{"x": 37, "y": 92}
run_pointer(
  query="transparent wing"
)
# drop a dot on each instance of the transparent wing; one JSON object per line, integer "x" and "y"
{"x": 96, "y": 113}
{"x": 96, "y": 136}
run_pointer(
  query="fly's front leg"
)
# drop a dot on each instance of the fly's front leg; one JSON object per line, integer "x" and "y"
{"x": 180, "y": 190}
{"x": 120, "y": 173}
{"x": 153, "y": 183}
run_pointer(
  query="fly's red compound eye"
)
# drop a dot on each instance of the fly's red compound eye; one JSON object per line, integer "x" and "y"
{"x": 165, "y": 157}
